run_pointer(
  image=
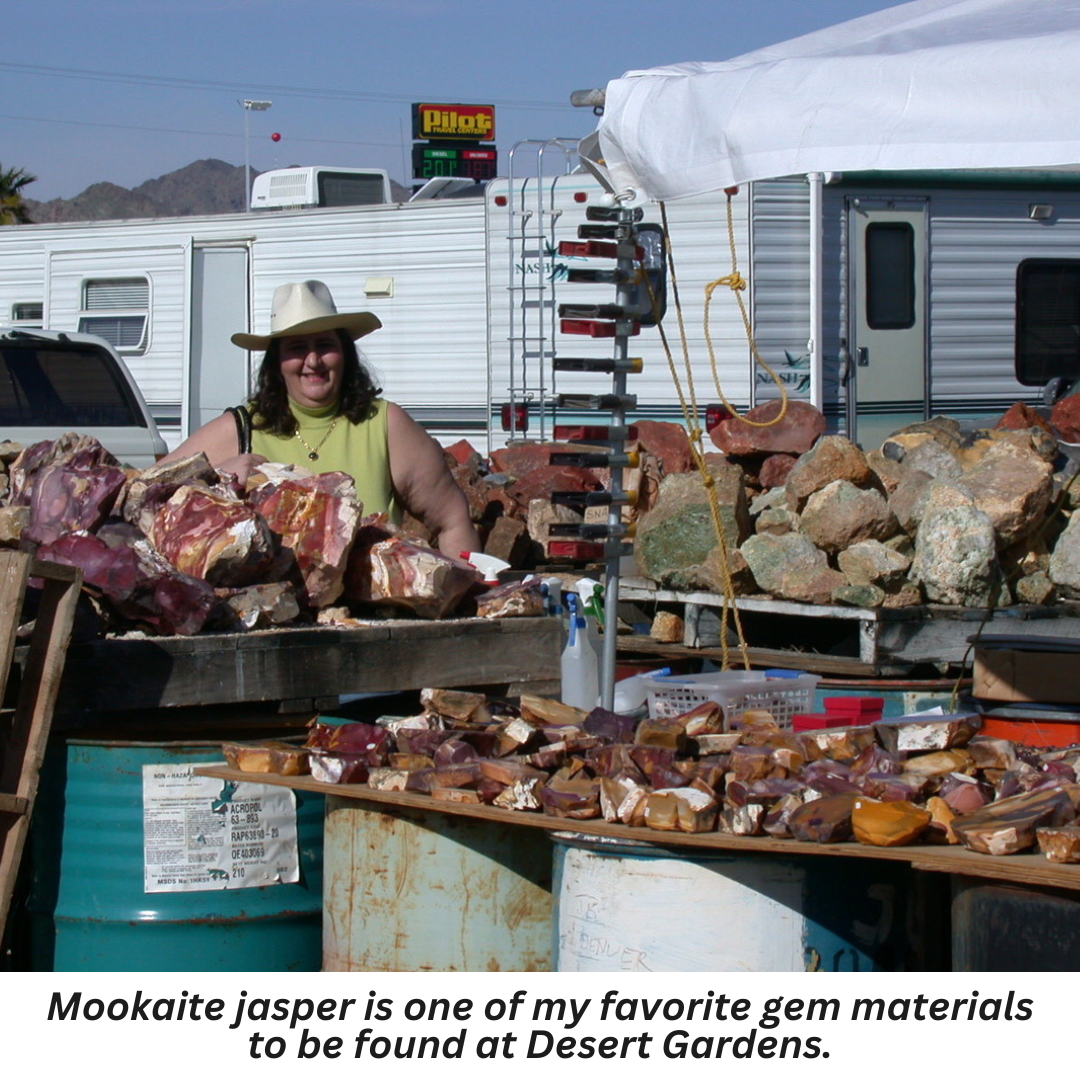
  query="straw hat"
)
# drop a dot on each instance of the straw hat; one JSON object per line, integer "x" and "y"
{"x": 306, "y": 307}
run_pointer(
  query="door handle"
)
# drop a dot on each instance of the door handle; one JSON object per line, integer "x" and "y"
{"x": 862, "y": 356}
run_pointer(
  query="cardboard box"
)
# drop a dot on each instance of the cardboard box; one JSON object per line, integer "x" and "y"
{"x": 1025, "y": 675}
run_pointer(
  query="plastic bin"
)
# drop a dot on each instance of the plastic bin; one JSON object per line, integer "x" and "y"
{"x": 783, "y": 695}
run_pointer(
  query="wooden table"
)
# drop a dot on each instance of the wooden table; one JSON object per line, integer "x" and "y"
{"x": 301, "y": 667}
{"x": 1033, "y": 870}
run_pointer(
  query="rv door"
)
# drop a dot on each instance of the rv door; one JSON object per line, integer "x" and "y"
{"x": 887, "y": 377}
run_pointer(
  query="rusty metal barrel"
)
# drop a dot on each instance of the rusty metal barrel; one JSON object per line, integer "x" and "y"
{"x": 410, "y": 889}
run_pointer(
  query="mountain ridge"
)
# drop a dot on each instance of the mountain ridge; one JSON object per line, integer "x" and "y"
{"x": 207, "y": 186}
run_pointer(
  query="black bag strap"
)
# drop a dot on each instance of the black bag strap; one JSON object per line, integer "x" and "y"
{"x": 243, "y": 427}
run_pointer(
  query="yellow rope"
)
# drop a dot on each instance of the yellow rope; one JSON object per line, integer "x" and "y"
{"x": 695, "y": 433}
{"x": 737, "y": 283}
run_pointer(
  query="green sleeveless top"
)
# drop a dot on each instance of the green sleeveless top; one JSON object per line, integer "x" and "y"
{"x": 361, "y": 450}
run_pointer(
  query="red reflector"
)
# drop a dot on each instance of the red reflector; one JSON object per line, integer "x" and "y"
{"x": 594, "y": 329}
{"x": 501, "y": 200}
{"x": 574, "y": 549}
{"x": 714, "y": 414}
{"x": 588, "y": 433}
{"x": 594, "y": 249}
{"x": 580, "y": 196}
{"x": 515, "y": 417}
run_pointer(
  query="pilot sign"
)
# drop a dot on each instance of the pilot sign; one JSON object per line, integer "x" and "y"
{"x": 475, "y": 123}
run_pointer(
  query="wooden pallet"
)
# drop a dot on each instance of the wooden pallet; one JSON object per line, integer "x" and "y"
{"x": 24, "y": 731}
{"x": 835, "y": 640}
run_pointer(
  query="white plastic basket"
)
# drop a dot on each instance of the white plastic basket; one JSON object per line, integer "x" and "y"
{"x": 736, "y": 691}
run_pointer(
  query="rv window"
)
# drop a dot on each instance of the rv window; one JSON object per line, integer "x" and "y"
{"x": 54, "y": 386}
{"x": 890, "y": 275}
{"x": 29, "y": 314}
{"x": 117, "y": 309}
{"x": 1047, "y": 320}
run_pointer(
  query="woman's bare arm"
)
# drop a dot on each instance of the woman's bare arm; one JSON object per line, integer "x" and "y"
{"x": 217, "y": 440}
{"x": 425, "y": 486}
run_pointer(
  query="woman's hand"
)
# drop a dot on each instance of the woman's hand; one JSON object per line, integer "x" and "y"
{"x": 241, "y": 465}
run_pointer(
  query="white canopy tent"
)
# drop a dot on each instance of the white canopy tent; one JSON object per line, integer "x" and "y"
{"x": 934, "y": 84}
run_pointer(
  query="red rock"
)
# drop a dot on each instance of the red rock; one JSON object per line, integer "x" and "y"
{"x": 464, "y": 453}
{"x": 667, "y": 442}
{"x": 544, "y": 479}
{"x": 774, "y": 470}
{"x": 1065, "y": 416}
{"x": 1019, "y": 417}
{"x": 800, "y": 428}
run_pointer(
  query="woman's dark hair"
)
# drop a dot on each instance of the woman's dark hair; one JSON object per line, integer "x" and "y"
{"x": 270, "y": 405}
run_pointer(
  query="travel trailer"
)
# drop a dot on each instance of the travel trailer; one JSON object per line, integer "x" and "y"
{"x": 948, "y": 292}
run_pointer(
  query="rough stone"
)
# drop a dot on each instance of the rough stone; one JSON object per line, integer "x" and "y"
{"x": 1065, "y": 560}
{"x": 791, "y": 568}
{"x": 943, "y": 430}
{"x": 1020, "y": 416}
{"x": 780, "y": 520}
{"x": 1036, "y": 588}
{"x": 863, "y": 596}
{"x": 679, "y": 533}
{"x": 842, "y": 514}
{"x": 13, "y": 521}
{"x": 542, "y": 515}
{"x": 956, "y": 557}
{"x": 668, "y": 443}
{"x": 932, "y": 457}
{"x": 889, "y": 473}
{"x": 907, "y": 499}
{"x": 1012, "y": 485}
{"x": 908, "y": 594}
{"x": 832, "y": 458}
{"x": 870, "y": 562}
{"x": 801, "y": 426}
{"x": 775, "y": 470}
{"x": 709, "y": 576}
{"x": 509, "y": 540}
{"x": 1065, "y": 416}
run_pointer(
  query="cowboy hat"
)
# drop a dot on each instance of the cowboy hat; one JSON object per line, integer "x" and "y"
{"x": 306, "y": 307}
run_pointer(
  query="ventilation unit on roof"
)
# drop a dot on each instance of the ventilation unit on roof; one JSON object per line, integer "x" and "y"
{"x": 316, "y": 185}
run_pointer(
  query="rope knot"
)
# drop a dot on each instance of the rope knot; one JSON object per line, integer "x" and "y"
{"x": 735, "y": 280}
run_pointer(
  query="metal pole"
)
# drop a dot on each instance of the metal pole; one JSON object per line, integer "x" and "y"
{"x": 247, "y": 158}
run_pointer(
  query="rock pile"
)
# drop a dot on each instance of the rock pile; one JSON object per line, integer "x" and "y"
{"x": 936, "y": 515}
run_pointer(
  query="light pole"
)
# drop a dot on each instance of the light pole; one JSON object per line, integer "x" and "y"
{"x": 248, "y": 106}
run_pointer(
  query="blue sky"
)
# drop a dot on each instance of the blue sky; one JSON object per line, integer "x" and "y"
{"x": 127, "y": 90}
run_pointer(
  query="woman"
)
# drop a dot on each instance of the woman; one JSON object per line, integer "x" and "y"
{"x": 316, "y": 406}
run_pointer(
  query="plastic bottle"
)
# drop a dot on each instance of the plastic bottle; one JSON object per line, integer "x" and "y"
{"x": 580, "y": 663}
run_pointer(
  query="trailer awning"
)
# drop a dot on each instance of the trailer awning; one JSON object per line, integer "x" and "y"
{"x": 934, "y": 84}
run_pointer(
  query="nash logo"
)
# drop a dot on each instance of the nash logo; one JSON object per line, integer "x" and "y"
{"x": 475, "y": 122}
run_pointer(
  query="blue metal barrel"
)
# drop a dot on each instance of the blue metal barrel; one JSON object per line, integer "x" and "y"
{"x": 87, "y": 907}
{"x": 636, "y": 906}
{"x": 410, "y": 889}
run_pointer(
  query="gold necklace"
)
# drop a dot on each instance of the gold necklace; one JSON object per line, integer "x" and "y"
{"x": 313, "y": 451}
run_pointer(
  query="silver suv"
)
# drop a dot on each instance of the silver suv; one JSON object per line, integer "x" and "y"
{"x": 53, "y": 381}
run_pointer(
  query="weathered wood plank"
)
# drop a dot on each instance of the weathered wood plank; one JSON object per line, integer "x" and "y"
{"x": 124, "y": 674}
{"x": 631, "y": 644}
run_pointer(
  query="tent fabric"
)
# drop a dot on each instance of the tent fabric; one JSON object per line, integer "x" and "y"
{"x": 934, "y": 84}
